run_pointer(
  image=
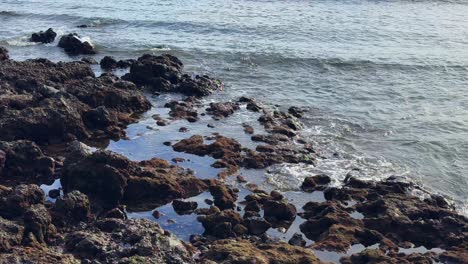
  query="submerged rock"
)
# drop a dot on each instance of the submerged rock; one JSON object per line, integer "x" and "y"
{"x": 74, "y": 45}
{"x": 44, "y": 37}
{"x": 315, "y": 183}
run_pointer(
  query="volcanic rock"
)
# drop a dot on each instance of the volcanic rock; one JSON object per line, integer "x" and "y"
{"x": 44, "y": 37}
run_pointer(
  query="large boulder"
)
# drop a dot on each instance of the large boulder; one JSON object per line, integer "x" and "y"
{"x": 16, "y": 201}
{"x": 164, "y": 74}
{"x": 44, "y": 37}
{"x": 109, "y": 179}
{"x": 37, "y": 221}
{"x": 73, "y": 44}
{"x": 50, "y": 102}
{"x": 72, "y": 207}
{"x": 108, "y": 63}
{"x": 24, "y": 162}
{"x": 128, "y": 241}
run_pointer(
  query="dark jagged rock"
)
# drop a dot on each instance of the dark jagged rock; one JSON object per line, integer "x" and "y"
{"x": 221, "y": 224}
{"x": 297, "y": 240}
{"x": 11, "y": 234}
{"x": 72, "y": 207}
{"x": 123, "y": 64}
{"x": 108, "y": 63}
{"x": 24, "y": 162}
{"x": 54, "y": 193}
{"x": 36, "y": 221}
{"x": 14, "y": 202}
{"x": 256, "y": 225}
{"x": 55, "y": 102}
{"x": 224, "y": 197}
{"x": 111, "y": 178}
{"x": 315, "y": 183}
{"x": 164, "y": 74}
{"x": 183, "y": 207}
{"x": 4, "y": 54}
{"x": 74, "y": 45}
{"x": 222, "y": 110}
{"x": 390, "y": 216}
{"x": 277, "y": 211}
{"x": 128, "y": 241}
{"x": 44, "y": 37}
{"x": 183, "y": 109}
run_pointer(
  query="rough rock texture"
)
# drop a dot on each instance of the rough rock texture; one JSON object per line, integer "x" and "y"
{"x": 315, "y": 183}
{"x": 242, "y": 251}
{"x": 108, "y": 63}
{"x": 391, "y": 217}
{"x": 232, "y": 156}
{"x": 128, "y": 241}
{"x": 164, "y": 74}
{"x": 44, "y": 37}
{"x": 109, "y": 179}
{"x": 14, "y": 202}
{"x": 73, "y": 207}
{"x": 23, "y": 161}
{"x": 184, "y": 109}
{"x": 73, "y": 44}
{"x": 49, "y": 102}
{"x": 11, "y": 235}
{"x": 222, "y": 110}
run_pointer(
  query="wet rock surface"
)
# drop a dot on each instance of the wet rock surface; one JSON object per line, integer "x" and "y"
{"x": 48, "y": 102}
{"x": 111, "y": 179}
{"x": 48, "y": 108}
{"x": 44, "y": 37}
{"x": 165, "y": 74}
{"x": 74, "y": 45}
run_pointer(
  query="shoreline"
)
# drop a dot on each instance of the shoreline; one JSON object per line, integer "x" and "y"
{"x": 359, "y": 213}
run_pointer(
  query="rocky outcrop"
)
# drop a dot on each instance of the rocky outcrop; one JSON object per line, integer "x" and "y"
{"x": 49, "y": 102}
{"x": 72, "y": 208}
{"x": 164, "y": 74}
{"x": 128, "y": 241}
{"x": 222, "y": 110}
{"x": 108, "y": 63}
{"x": 44, "y": 37}
{"x": 74, "y": 45}
{"x": 110, "y": 179}
{"x": 24, "y": 162}
{"x": 14, "y": 202}
{"x": 11, "y": 235}
{"x": 389, "y": 216}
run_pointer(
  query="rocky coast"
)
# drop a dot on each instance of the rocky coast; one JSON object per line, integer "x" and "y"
{"x": 57, "y": 119}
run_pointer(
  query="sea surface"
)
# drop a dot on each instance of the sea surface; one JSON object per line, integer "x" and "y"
{"x": 385, "y": 82}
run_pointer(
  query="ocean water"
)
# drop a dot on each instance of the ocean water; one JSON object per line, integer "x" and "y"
{"x": 385, "y": 82}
